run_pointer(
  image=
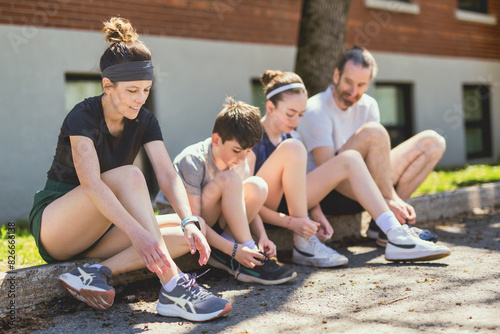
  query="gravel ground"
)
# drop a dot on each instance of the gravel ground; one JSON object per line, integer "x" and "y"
{"x": 457, "y": 294}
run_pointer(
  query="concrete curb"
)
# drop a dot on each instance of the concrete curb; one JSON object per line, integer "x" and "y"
{"x": 33, "y": 285}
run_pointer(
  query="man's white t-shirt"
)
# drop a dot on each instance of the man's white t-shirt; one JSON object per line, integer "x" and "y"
{"x": 325, "y": 124}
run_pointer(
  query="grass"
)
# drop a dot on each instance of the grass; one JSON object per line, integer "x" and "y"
{"x": 438, "y": 181}
{"x": 26, "y": 252}
{"x": 448, "y": 180}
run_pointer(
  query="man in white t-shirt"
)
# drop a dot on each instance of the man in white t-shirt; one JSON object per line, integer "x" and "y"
{"x": 343, "y": 117}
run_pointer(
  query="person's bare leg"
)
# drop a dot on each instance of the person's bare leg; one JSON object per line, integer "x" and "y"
{"x": 224, "y": 196}
{"x": 373, "y": 143}
{"x": 122, "y": 261}
{"x": 255, "y": 191}
{"x": 283, "y": 172}
{"x": 63, "y": 240}
{"x": 346, "y": 166}
{"x": 414, "y": 159}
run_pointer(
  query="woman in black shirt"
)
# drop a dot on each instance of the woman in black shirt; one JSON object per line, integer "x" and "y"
{"x": 96, "y": 203}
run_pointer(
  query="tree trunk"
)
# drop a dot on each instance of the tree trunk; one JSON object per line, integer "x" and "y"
{"x": 321, "y": 39}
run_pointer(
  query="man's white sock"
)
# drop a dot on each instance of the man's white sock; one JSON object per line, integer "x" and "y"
{"x": 387, "y": 221}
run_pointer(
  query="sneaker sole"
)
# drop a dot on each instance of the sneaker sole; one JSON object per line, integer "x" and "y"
{"x": 252, "y": 279}
{"x": 318, "y": 262}
{"x": 93, "y": 297}
{"x": 242, "y": 277}
{"x": 371, "y": 234}
{"x": 409, "y": 257}
{"x": 175, "y": 311}
{"x": 216, "y": 264}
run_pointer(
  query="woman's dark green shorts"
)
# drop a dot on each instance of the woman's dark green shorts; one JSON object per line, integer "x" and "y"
{"x": 52, "y": 191}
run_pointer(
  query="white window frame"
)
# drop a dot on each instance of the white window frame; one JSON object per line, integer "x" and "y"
{"x": 469, "y": 16}
{"x": 394, "y": 6}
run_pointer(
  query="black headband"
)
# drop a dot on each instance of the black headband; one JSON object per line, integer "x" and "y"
{"x": 131, "y": 71}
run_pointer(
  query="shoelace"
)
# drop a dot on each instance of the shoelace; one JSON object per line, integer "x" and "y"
{"x": 268, "y": 263}
{"x": 197, "y": 291}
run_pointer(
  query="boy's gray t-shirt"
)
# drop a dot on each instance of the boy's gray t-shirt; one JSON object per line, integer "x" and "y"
{"x": 196, "y": 167}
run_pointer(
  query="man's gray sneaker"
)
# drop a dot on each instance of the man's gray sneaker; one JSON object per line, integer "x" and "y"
{"x": 90, "y": 286}
{"x": 190, "y": 301}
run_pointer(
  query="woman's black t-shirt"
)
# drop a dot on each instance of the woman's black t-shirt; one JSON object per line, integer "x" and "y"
{"x": 87, "y": 119}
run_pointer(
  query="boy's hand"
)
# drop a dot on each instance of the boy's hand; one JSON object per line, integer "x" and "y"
{"x": 267, "y": 247}
{"x": 248, "y": 257}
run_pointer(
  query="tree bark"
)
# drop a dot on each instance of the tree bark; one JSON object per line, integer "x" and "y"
{"x": 321, "y": 39}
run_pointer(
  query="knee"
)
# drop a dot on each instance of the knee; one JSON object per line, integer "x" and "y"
{"x": 255, "y": 189}
{"x": 375, "y": 133}
{"x": 294, "y": 149}
{"x": 227, "y": 179}
{"x": 128, "y": 175}
{"x": 350, "y": 158}
{"x": 433, "y": 143}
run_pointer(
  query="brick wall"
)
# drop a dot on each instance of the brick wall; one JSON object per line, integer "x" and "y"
{"x": 434, "y": 31}
{"x": 254, "y": 21}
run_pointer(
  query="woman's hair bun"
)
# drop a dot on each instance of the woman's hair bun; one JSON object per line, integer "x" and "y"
{"x": 268, "y": 76}
{"x": 119, "y": 30}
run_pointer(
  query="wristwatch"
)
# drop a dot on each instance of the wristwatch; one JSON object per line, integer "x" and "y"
{"x": 190, "y": 219}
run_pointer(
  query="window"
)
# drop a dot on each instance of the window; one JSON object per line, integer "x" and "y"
{"x": 81, "y": 86}
{"x": 394, "y": 101}
{"x": 479, "y": 6}
{"x": 475, "y": 11}
{"x": 476, "y": 107}
{"x": 258, "y": 97}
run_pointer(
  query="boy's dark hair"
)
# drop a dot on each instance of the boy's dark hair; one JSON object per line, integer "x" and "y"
{"x": 359, "y": 56}
{"x": 239, "y": 121}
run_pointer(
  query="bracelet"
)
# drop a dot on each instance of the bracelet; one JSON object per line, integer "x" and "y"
{"x": 190, "y": 219}
{"x": 288, "y": 222}
{"x": 234, "y": 254}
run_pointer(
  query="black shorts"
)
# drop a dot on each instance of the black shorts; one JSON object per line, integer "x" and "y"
{"x": 333, "y": 204}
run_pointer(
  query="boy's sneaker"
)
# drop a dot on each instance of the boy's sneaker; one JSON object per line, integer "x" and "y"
{"x": 419, "y": 233}
{"x": 403, "y": 245}
{"x": 270, "y": 273}
{"x": 221, "y": 260}
{"x": 190, "y": 301}
{"x": 90, "y": 286}
{"x": 312, "y": 252}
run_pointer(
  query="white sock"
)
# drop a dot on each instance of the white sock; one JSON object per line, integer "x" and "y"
{"x": 173, "y": 282}
{"x": 96, "y": 266}
{"x": 387, "y": 221}
{"x": 227, "y": 237}
{"x": 250, "y": 244}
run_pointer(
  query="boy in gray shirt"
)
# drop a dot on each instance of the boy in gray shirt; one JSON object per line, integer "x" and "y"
{"x": 217, "y": 178}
